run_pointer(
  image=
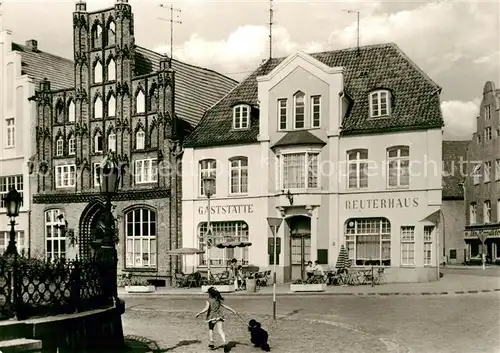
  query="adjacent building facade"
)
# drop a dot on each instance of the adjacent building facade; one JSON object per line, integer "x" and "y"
{"x": 17, "y": 115}
{"x": 453, "y": 208}
{"x": 344, "y": 146}
{"x": 482, "y": 185}
{"x": 123, "y": 99}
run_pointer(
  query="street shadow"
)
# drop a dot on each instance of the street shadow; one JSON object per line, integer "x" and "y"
{"x": 183, "y": 343}
{"x": 294, "y": 312}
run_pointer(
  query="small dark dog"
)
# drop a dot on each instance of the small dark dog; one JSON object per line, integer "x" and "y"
{"x": 258, "y": 336}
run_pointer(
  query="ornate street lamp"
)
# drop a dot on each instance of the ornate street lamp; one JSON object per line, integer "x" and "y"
{"x": 12, "y": 204}
{"x": 109, "y": 175}
{"x": 209, "y": 190}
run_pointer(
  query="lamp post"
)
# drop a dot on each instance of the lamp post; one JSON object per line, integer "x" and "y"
{"x": 209, "y": 190}
{"x": 109, "y": 174}
{"x": 274, "y": 223}
{"x": 12, "y": 204}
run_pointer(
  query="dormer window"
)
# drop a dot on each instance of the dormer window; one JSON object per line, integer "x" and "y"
{"x": 298, "y": 110}
{"x": 379, "y": 104}
{"x": 241, "y": 116}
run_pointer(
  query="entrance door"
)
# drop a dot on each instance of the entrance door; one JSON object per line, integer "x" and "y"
{"x": 300, "y": 245}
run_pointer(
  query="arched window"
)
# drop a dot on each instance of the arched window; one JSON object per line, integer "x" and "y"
{"x": 238, "y": 175}
{"x": 153, "y": 136}
{"x": 111, "y": 70}
{"x": 140, "y": 139}
{"x": 97, "y": 72}
{"x": 140, "y": 104}
{"x": 140, "y": 234}
{"x": 241, "y": 116}
{"x": 98, "y": 142}
{"x": 112, "y": 142}
{"x": 60, "y": 111}
{"x": 152, "y": 101}
{"x": 208, "y": 169}
{"x": 98, "y": 108}
{"x": 59, "y": 146}
{"x": 235, "y": 231}
{"x": 71, "y": 145}
{"x": 357, "y": 161}
{"x": 111, "y": 33}
{"x": 368, "y": 241}
{"x": 55, "y": 239}
{"x": 71, "y": 111}
{"x": 299, "y": 110}
{"x": 380, "y": 104}
{"x": 96, "y": 35}
{"x": 398, "y": 166}
{"x": 111, "y": 105}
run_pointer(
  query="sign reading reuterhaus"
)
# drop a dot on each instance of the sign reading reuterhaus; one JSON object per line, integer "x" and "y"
{"x": 406, "y": 202}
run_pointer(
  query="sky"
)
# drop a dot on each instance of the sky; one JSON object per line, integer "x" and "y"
{"x": 457, "y": 43}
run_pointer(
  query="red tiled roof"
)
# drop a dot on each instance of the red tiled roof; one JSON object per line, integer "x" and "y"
{"x": 416, "y": 102}
{"x": 39, "y": 65}
{"x": 453, "y": 177}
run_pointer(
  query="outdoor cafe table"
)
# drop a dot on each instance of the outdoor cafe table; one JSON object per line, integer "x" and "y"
{"x": 361, "y": 275}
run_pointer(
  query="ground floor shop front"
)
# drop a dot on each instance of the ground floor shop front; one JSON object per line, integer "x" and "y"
{"x": 397, "y": 231}
{"x": 483, "y": 239}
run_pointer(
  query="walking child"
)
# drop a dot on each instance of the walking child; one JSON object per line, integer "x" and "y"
{"x": 215, "y": 315}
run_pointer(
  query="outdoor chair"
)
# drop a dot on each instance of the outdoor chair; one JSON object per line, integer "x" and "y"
{"x": 380, "y": 276}
{"x": 180, "y": 279}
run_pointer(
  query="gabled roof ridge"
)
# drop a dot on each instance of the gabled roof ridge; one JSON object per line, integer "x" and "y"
{"x": 188, "y": 64}
{"x": 361, "y": 47}
{"x": 38, "y": 51}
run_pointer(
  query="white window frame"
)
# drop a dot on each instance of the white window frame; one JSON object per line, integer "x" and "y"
{"x": 378, "y": 97}
{"x": 71, "y": 112}
{"x": 65, "y": 176}
{"x": 428, "y": 235}
{"x": 487, "y": 211}
{"x": 52, "y": 222}
{"x": 207, "y": 169}
{"x": 98, "y": 72}
{"x": 497, "y": 169}
{"x": 487, "y": 133}
{"x": 112, "y": 106}
{"x": 140, "y": 140}
{"x": 71, "y": 145}
{"x": 98, "y": 108}
{"x": 96, "y": 178}
{"x": 146, "y": 171}
{"x": 407, "y": 245}
{"x": 241, "y": 171}
{"x": 295, "y": 107}
{"x": 111, "y": 70}
{"x": 359, "y": 163}
{"x": 472, "y": 213}
{"x": 314, "y": 114}
{"x": 6, "y": 183}
{"x": 282, "y": 114}
{"x": 487, "y": 172}
{"x": 20, "y": 241}
{"x": 59, "y": 146}
{"x": 222, "y": 232}
{"x": 308, "y": 173}
{"x": 399, "y": 159}
{"x": 140, "y": 102}
{"x": 359, "y": 229}
{"x": 476, "y": 174}
{"x": 10, "y": 132}
{"x": 241, "y": 117}
{"x": 98, "y": 136}
{"x": 112, "y": 142}
{"x": 137, "y": 260}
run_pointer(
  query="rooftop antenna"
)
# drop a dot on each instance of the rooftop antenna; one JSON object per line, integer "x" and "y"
{"x": 172, "y": 20}
{"x": 271, "y": 11}
{"x": 357, "y": 35}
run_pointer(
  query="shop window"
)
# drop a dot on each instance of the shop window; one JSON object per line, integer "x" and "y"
{"x": 428, "y": 232}
{"x": 398, "y": 166}
{"x": 368, "y": 241}
{"x": 55, "y": 239}
{"x": 239, "y": 175}
{"x": 141, "y": 240}
{"x": 208, "y": 169}
{"x": 223, "y": 232}
{"x": 357, "y": 161}
{"x": 408, "y": 245}
{"x": 299, "y": 170}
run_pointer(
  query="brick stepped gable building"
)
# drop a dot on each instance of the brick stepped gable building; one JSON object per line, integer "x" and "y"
{"x": 325, "y": 141}
{"x": 123, "y": 98}
{"x": 482, "y": 186}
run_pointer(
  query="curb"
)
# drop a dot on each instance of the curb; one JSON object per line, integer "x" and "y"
{"x": 302, "y": 294}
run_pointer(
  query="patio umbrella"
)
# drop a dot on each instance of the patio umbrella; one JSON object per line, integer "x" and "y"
{"x": 234, "y": 244}
{"x": 343, "y": 259}
{"x": 185, "y": 251}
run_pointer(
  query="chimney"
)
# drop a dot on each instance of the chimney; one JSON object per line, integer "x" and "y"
{"x": 32, "y": 45}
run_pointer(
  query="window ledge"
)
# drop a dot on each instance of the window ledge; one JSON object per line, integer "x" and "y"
{"x": 234, "y": 194}
{"x": 398, "y": 187}
{"x": 138, "y": 269}
{"x": 9, "y": 147}
{"x": 380, "y": 116}
{"x": 408, "y": 266}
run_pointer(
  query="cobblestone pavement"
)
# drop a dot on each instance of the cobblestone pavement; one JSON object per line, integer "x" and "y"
{"x": 441, "y": 324}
